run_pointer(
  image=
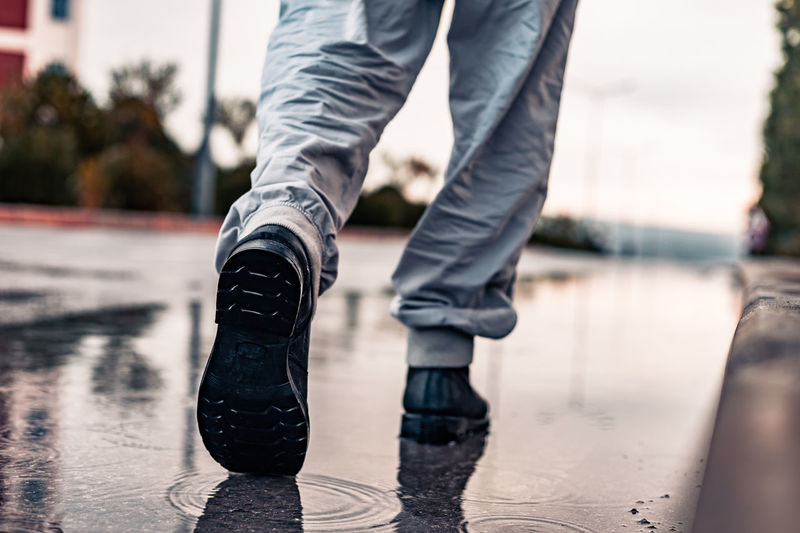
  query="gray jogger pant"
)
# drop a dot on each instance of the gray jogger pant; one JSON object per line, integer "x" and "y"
{"x": 336, "y": 72}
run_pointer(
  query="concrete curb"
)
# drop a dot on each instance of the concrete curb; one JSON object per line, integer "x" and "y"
{"x": 752, "y": 480}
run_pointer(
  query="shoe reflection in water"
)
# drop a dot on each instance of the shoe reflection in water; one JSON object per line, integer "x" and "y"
{"x": 432, "y": 480}
{"x": 249, "y": 503}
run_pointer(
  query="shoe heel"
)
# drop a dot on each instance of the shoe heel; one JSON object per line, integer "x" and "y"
{"x": 259, "y": 290}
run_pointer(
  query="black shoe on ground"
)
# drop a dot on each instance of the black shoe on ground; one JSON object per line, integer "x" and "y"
{"x": 252, "y": 409}
{"x": 441, "y": 406}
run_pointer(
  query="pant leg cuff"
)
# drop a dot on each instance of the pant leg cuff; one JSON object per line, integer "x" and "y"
{"x": 439, "y": 347}
{"x": 295, "y": 221}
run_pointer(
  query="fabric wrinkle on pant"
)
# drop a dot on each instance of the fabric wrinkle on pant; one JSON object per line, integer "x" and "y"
{"x": 337, "y": 72}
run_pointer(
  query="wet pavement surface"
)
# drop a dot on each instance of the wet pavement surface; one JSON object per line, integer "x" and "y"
{"x": 602, "y": 399}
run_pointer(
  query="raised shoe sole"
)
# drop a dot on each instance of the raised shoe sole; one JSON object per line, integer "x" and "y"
{"x": 251, "y": 415}
{"x": 433, "y": 429}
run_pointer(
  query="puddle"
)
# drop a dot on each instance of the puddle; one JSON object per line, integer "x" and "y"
{"x": 601, "y": 398}
{"x": 191, "y": 490}
{"x": 519, "y": 524}
{"x": 331, "y": 504}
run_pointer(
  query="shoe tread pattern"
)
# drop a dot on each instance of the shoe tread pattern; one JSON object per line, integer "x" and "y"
{"x": 250, "y": 416}
{"x": 258, "y": 290}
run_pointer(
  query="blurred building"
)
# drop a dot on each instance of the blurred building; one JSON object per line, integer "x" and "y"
{"x": 37, "y": 34}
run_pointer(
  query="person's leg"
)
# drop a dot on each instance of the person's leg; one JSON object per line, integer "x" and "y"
{"x": 456, "y": 275}
{"x": 336, "y": 72}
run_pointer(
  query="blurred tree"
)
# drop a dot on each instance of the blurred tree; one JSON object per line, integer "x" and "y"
{"x": 37, "y": 166}
{"x": 231, "y": 184}
{"x": 142, "y": 168}
{"x": 386, "y": 207}
{"x": 780, "y": 171}
{"x": 46, "y": 125}
{"x": 132, "y": 175}
{"x": 389, "y": 206}
{"x": 58, "y": 147}
{"x": 235, "y": 115}
{"x": 153, "y": 84}
{"x": 405, "y": 172}
{"x": 565, "y": 232}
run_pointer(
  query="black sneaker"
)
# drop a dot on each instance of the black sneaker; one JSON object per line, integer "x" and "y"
{"x": 252, "y": 409}
{"x": 441, "y": 406}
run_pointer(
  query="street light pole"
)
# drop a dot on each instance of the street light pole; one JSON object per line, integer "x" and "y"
{"x": 597, "y": 96}
{"x": 204, "y": 171}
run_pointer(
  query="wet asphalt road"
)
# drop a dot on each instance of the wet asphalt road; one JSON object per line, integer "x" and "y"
{"x": 602, "y": 398}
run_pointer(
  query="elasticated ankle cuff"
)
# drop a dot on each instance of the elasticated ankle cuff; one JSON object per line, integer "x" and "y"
{"x": 439, "y": 347}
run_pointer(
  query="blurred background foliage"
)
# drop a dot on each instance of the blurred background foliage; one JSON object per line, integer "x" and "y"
{"x": 780, "y": 171}
{"x": 58, "y": 146}
{"x": 47, "y": 127}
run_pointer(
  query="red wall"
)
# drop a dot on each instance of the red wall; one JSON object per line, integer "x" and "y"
{"x": 14, "y": 14}
{"x": 11, "y": 65}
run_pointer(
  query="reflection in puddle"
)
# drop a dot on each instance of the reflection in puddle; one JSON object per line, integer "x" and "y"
{"x": 31, "y": 361}
{"x": 190, "y": 491}
{"x": 124, "y": 374}
{"x": 339, "y": 505}
{"x": 20, "y": 296}
{"x": 251, "y": 503}
{"x": 602, "y": 396}
{"x": 432, "y": 481}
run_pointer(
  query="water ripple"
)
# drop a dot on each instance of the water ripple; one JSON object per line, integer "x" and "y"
{"x": 341, "y": 505}
{"x": 328, "y": 503}
{"x": 511, "y": 523}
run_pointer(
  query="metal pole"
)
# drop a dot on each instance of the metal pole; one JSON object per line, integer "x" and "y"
{"x": 204, "y": 171}
{"x": 598, "y": 96}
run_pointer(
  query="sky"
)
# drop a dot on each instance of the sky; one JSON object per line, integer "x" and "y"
{"x": 675, "y": 141}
